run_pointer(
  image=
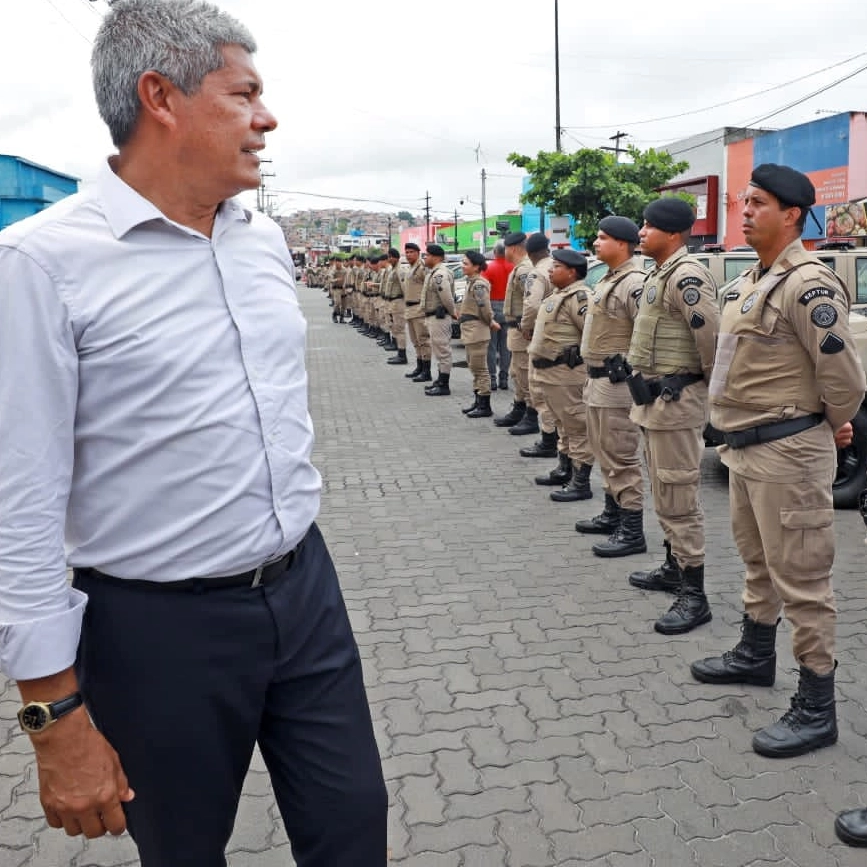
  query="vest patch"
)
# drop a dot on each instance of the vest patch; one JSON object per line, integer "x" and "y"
{"x": 691, "y": 295}
{"x": 438, "y": 279}
{"x": 549, "y": 306}
{"x": 651, "y": 294}
{"x": 636, "y": 293}
{"x": 831, "y": 344}
{"x": 696, "y": 320}
{"x": 731, "y": 296}
{"x": 748, "y": 304}
{"x": 817, "y": 292}
{"x": 689, "y": 281}
{"x": 823, "y": 315}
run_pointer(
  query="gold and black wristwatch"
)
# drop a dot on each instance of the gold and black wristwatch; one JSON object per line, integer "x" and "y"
{"x": 36, "y": 716}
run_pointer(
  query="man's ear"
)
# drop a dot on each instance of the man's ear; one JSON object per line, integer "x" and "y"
{"x": 158, "y": 97}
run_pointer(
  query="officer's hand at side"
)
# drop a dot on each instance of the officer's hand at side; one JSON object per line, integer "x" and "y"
{"x": 81, "y": 781}
{"x": 843, "y": 437}
{"x": 495, "y": 326}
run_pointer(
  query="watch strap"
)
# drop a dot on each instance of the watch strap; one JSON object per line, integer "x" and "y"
{"x": 65, "y": 705}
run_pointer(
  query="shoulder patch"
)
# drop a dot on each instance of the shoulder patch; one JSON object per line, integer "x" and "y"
{"x": 438, "y": 279}
{"x": 696, "y": 320}
{"x": 731, "y": 296}
{"x": 750, "y": 301}
{"x": 823, "y": 315}
{"x": 636, "y": 293}
{"x": 691, "y": 295}
{"x": 816, "y": 292}
{"x": 689, "y": 281}
{"x": 582, "y": 310}
{"x": 831, "y": 344}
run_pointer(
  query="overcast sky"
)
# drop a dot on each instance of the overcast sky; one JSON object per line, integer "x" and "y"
{"x": 388, "y": 99}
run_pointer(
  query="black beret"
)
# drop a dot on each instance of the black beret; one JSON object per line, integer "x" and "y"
{"x": 789, "y": 186}
{"x": 619, "y": 228}
{"x": 514, "y": 238}
{"x": 477, "y": 259}
{"x": 435, "y": 250}
{"x": 393, "y": 253}
{"x": 411, "y": 245}
{"x": 570, "y": 258}
{"x": 669, "y": 214}
{"x": 537, "y": 242}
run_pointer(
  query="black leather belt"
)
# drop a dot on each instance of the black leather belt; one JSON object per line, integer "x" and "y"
{"x": 543, "y": 363}
{"x": 666, "y": 385}
{"x": 262, "y": 575}
{"x": 413, "y": 303}
{"x": 597, "y": 372}
{"x": 468, "y": 317}
{"x": 767, "y": 433}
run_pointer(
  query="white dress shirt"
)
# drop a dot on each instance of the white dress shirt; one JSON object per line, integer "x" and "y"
{"x": 153, "y": 407}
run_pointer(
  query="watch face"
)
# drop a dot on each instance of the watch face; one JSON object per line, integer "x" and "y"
{"x": 34, "y": 718}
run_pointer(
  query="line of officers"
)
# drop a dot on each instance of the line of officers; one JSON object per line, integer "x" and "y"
{"x": 647, "y": 358}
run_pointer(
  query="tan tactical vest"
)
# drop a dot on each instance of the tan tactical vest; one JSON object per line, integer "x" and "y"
{"x": 753, "y": 369}
{"x": 662, "y": 345}
{"x": 552, "y": 335}
{"x": 475, "y": 330}
{"x": 604, "y": 335}
{"x": 431, "y": 294}
{"x": 513, "y": 306}
{"x": 413, "y": 282}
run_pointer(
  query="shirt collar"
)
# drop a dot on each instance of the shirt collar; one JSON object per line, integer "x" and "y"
{"x": 125, "y": 209}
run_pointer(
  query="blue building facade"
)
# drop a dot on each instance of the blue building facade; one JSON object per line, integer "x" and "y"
{"x": 27, "y": 188}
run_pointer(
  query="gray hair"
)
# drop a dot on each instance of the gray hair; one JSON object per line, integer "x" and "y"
{"x": 499, "y": 250}
{"x": 180, "y": 39}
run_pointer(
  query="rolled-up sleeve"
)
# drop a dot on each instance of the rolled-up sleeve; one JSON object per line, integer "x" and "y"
{"x": 40, "y": 614}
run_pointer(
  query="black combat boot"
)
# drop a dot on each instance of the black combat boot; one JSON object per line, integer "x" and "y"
{"x": 383, "y": 338}
{"x": 543, "y": 448}
{"x": 441, "y": 387}
{"x": 627, "y": 539}
{"x": 529, "y": 424}
{"x": 810, "y": 722}
{"x": 413, "y": 373}
{"x": 559, "y": 475}
{"x": 400, "y": 358}
{"x": 690, "y": 608}
{"x": 483, "y": 408}
{"x": 605, "y": 523}
{"x": 473, "y": 405}
{"x": 577, "y": 488}
{"x": 390, "y": 345}
{"x": 513, "y": 416}
{"x": 851, "y": 827}
{"x": 335, "y": 316}
{"x": 753, "y": 659}
{"x": 424, "y": 375}
{"x": 665, "y": 577}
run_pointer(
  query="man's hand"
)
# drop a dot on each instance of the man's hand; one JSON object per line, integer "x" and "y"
{"x": 843, "y": 437}
{"x": 81, "y": 781}
{"x": 495, "y": 326}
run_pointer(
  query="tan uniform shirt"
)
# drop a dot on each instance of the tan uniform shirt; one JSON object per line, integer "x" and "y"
{"x": 785, "y": 350}
{"x": 475, "y": 313}
{"x": 413, "y": 283}
{"x": 611, "y": 312}
{"x": 560, "y": 324}
{"x": 537, "y": 288}
{"x": 682, "y": 293}
{"x": 513, "y": 306}
{"x": 439, "y": 289}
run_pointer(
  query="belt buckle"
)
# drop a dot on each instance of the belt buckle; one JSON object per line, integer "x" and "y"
{"x": 257, "y": 576}
{"x": 667, "y": 394}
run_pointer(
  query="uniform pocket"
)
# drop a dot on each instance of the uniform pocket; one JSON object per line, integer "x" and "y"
{"x": 679, "y": 489}
{"x": 807, "y": 541}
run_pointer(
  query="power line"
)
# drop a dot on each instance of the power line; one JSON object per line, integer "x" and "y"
{"x": 85, "y": 38}
{"x": 346, "y": 198}
{"x": 728, "y": 101}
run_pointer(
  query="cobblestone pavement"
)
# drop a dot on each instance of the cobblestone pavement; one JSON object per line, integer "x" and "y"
{"x": 527, "y": 713}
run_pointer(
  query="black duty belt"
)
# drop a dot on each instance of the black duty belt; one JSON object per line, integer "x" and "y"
{"x": 413, "y": 303}
{"x": 544, "y": 363}
{"x": 468, "y": 317}
{"x": 665, "y": 386}
{"x": 258, "y": 577}
{"x": 767, "y": 433}
{"x": 597, "y": 372}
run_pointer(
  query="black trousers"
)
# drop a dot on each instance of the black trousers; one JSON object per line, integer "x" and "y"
{"x": 184, "y": 684}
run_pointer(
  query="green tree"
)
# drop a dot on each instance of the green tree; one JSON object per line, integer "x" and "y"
{"x": 407, "y": 217}
{"x": 590, "y": 184}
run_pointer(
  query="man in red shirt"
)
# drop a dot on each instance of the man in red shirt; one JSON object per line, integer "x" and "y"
{"x": 497, "y": 274}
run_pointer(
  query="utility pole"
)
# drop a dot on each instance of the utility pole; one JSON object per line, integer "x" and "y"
{"x": 427, "y": 216}
{"x": 484, "y": 217}
{"x": 557, "y": 76}
{"x": 389, "y": 230}
{"x": 617, "y": 149}
{"x": 261, "y": 197}
{"x": 456, "y": 230}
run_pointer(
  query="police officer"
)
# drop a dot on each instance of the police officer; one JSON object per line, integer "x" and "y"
{"x": 439, "y": 309}
{"x": 614, "y": 437}
{"x": 671, "y": 354}
{"x": 513, "y": 309}
{"x": 336, "y": 286}
{"x": 477, "y": 320}
{"x": 537, "y": 288}
{"x": 555, "y": 354}
{"x": 787, "y": 376}
{"x": 396, "y": 312}
{"x": 413, "y": 283}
